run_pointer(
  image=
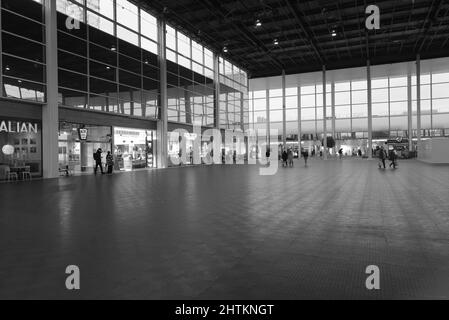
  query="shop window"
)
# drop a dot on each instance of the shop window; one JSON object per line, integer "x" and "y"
{"x": 133, "y": 149}
{"x": 20, "y": 147}
{"x": 76, "y": 150}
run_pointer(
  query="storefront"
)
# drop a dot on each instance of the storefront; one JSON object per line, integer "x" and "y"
{"x": 78, "y": 143}
{"x": 133, "y": 149}
{"x": 20, "y": 147}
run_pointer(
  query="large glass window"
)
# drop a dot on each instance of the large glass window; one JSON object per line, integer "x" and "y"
{"x": 103, "y": 7}
{"x": 127, "y": 14}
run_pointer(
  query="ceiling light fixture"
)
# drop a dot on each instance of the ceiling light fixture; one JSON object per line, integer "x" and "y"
{"x": 225, "y": 49}
{"x": 334, "y": 33}
{"x": 113, "y": 48}
{"x": 276, "y": 42}
{"x": 258, "y": 23}
{"x": 7, "y": 68}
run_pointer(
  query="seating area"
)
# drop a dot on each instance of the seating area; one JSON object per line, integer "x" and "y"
{"x": 15, "y": 173}
{"x": 65, "y": 170}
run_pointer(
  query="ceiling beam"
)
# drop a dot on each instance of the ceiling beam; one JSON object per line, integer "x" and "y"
{"x": 430, "y": 19}
{"x": 215, "y": 7}
{"x": 309, "y": 36}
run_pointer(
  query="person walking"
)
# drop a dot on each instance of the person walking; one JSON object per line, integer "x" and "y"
{"x": 180, "y": 157}
{"x": 267, "y": 155}
{"x": 110, "y": 162}
{"x": 393, "y": 157}
{"x": 97, "y": 158}
{"x": 305, "y": 154}
{"x": 290, "y": 157}
{"x": 382, "y": 157}
{"x": 284, "y": 158}
{"x": 340, "y": 152}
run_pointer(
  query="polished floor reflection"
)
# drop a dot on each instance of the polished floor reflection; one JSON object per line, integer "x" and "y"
{"x": 224, "y": 232}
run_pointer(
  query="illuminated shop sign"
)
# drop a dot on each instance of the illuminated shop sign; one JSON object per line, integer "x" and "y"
{"x": 125, "y": 132}
{"x": 18, "y": 127}
{"x": 82, "y": 132}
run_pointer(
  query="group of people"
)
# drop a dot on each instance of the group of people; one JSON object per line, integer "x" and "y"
{"x": 382, "y": 154}
{"x": 287, "y": 157}
{"x": 98, "y": 162}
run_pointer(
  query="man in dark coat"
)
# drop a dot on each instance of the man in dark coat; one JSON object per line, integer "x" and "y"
{"x": 97, "y": 158}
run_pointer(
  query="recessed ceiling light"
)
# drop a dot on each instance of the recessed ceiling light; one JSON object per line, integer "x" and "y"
{"x": 258, "y": 23}
{"x": 19, "y": 81}
{"x": 7, "y": 68}
{"x": 113, "y": 48}
{"x": 334, "y": 33}
{"x": 276, "y": 42}
{"x": 225, "y": 49}
{"x": 108, "y": 68}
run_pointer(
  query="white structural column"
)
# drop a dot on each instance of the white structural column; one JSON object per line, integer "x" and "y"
{"x": 409, "y": 112}
{"x": 242, "y": 111}
{"x": 333, "y": 113}
{"x": 50, "y": 112}
{"x": 370, "y": 111}
{"x": 217, "y": 92}
{"x": 299, "y": 119}
{"x": 267, "y": 101}
{"x": 418, "y": 101}
{"x": 324, "y": 115}
{"x": 284, "y": 113}
{"x": 162, "y": 123}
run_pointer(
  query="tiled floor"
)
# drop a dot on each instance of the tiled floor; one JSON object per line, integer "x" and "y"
{"x": 225, "y": 232}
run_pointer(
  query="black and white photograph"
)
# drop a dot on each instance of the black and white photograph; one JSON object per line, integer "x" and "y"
{"x": 224, "y": 157}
